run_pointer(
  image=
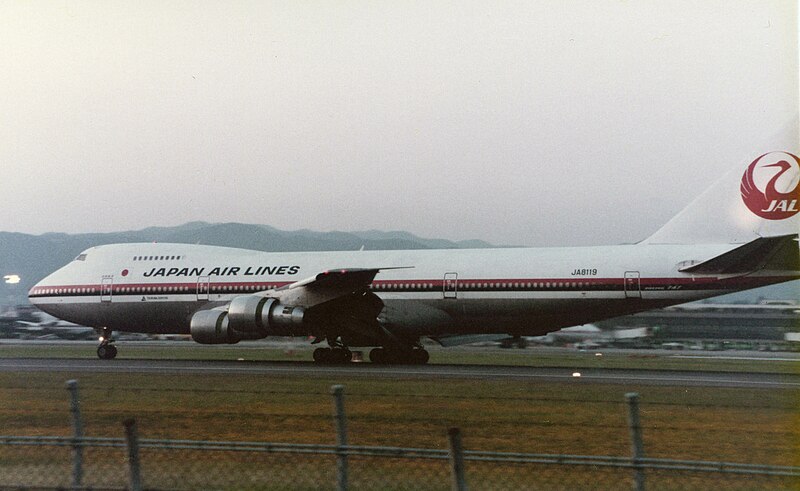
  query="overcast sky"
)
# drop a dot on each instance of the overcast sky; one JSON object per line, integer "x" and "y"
{"x": 538, "y": 123}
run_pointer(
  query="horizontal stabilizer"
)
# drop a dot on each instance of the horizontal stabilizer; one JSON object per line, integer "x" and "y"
{"x": 773, "y": 253}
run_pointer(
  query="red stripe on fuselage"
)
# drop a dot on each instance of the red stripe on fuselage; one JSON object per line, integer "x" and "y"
{"x": 523, "y": 284}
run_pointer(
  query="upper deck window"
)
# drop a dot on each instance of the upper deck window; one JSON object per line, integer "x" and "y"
{"x": 81, "y": 257}
{"x": 155, "y": 258}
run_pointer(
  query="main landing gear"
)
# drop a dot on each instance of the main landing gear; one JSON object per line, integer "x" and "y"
{"x": 339, "y": 354}
{"x": 334, "y": 356}
{"x": 106, "y": 350}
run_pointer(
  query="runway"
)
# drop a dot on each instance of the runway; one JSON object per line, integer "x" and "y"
{"x": 631, "y": 377}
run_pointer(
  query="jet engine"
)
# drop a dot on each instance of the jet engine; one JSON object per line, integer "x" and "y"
{"x": 211, "y": 327}
{"x": 264, "y": 315}
{"x": 248, "y": 317}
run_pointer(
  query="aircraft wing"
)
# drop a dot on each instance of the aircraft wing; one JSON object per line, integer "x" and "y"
{"x": 326, "y": 286}
{"x": 337, "y": 301}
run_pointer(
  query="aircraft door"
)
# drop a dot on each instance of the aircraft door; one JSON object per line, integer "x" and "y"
{"x": 203, "y": 286}
{"x": 633, "y": 286}
{"x": 450, "y": 285}
{"x": 106, "y": 287}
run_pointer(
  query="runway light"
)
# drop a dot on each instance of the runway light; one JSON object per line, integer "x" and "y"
{"x": 576, "y": 374}
{"x": 598, "y": 354}
{"x": 240, "y": 359}
{"x": 12, "y": 279}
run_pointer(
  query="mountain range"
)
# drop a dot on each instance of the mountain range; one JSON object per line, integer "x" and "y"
{"x": 32, "y": 257}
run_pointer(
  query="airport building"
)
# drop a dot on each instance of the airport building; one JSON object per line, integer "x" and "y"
{"x": 770, "y": 321}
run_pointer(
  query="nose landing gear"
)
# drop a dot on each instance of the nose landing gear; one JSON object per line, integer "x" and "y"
{"x": 106, "y": 350}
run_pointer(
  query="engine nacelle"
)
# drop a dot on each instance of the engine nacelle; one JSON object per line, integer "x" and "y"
{"x": 263, "y": 315}
{"x": 212, "y": 327}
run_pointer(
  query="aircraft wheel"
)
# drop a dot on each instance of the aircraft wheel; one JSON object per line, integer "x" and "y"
{"x": 333, "y": 356}
{"x": 338, "y": 356}
{"x": 345, "y": 356}
{"x": 106, "y": 352}
{"x": 420, "y": 357}
{"x": 322, "y": 355}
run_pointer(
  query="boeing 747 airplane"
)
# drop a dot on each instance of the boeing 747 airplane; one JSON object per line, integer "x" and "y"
{"x": 741, "y": 234}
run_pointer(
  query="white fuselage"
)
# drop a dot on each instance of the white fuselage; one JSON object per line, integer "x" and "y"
{"x": 156, "y": 288}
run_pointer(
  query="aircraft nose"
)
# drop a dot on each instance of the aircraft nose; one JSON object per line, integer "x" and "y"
{"x": 38, "y": 297}
{"x": 39, "y": 291}
{"x": 34, "y": 292}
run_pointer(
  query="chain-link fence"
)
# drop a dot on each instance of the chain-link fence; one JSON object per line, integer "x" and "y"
{"x": 81, "y": 462}
{"x": 47, "y": 463}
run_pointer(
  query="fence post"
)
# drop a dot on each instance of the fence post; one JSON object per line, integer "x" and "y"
{"x": 459, "y": 483}
{"x": 132, "y": 440}
{"x": 77, "y": 432}
{"x": 636, "y": 440}
{"x": 340, "y": 421}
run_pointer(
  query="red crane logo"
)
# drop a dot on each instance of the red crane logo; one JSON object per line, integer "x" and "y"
{"x": 771, "y": 194}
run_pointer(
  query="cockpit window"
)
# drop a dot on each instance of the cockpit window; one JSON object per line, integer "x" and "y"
{"x": 81, "y": 257}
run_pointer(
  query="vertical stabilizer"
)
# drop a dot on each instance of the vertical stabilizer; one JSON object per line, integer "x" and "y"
{"x": 759, "y": 199}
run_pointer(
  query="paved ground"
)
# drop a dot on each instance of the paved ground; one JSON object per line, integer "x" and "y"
{"x": 585, "y": 376}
